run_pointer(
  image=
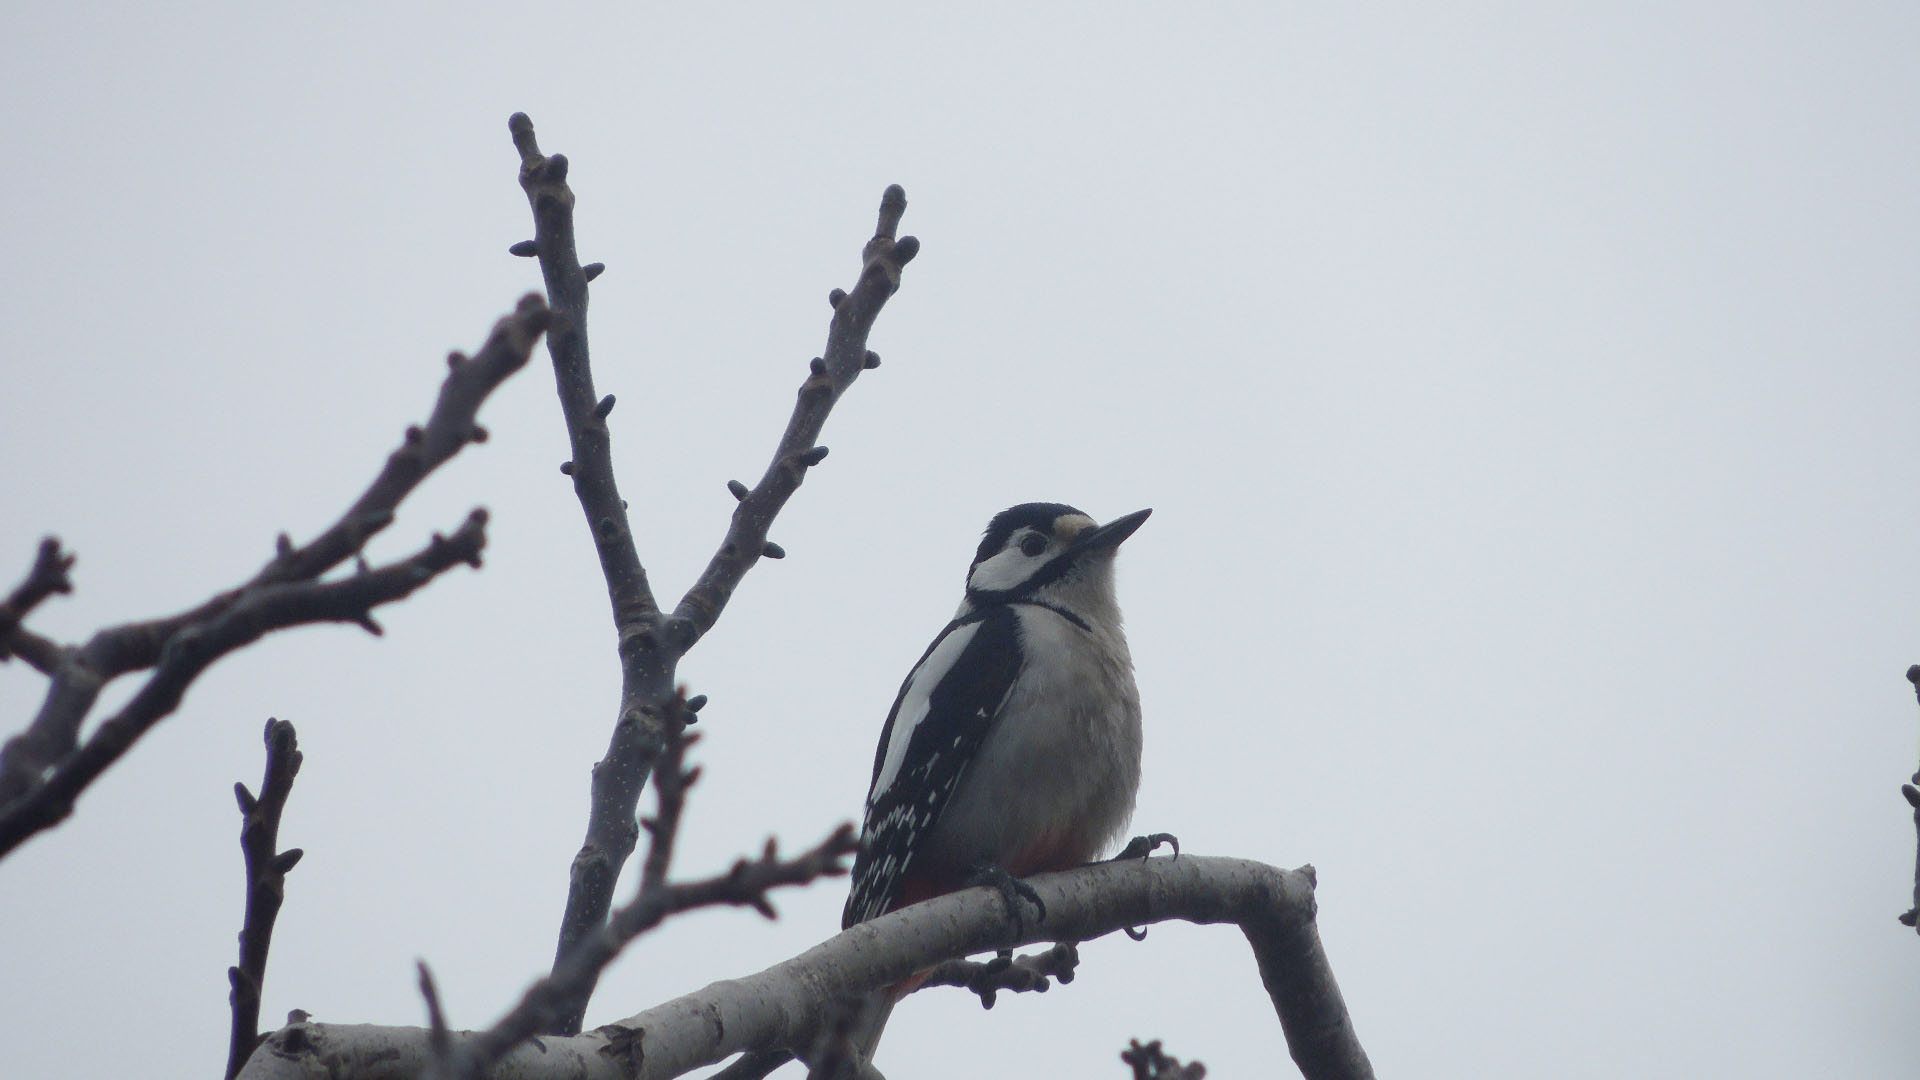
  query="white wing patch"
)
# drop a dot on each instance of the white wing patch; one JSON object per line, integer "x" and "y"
{"x": 915, "y": 704}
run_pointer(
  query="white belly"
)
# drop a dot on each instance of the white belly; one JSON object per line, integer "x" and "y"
{"x": 1016, "y": 799}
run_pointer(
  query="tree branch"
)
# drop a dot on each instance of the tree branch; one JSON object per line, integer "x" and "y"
{"x": 1150, "y": 1062}
{"x": 784, "y": 1005}
{"x": 267, "y": 870}
{"x": 746, "y": 884}
{"x": 258, "y": 611}
{"x": 828, "y": 377}
{"x": 833, "y": 1053}
{"x": 651, "y": 643}
{"x": 544, "y": 179}
{"x": 1912, "y": 795}
{"x": 1026, "y": 974}
{"x": 47, "y": 576}
{"x": 78, "y": 674}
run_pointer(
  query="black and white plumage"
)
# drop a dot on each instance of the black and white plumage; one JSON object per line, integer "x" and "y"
{"x": 1014, "y": 743}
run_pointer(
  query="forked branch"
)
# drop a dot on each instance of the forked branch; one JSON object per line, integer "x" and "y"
{"x": 47, "y": 576}
{"x": 746, "y": 885}
{"x": 194, "y": 648}
{"x": 31, "y": 799}
{"x": 652, "y": 642}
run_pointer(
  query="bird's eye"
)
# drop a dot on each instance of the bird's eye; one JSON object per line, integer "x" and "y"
{"x": 1032, "y": 544}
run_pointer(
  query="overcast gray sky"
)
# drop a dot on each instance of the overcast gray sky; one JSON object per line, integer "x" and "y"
{"x": 1526, "y": 399}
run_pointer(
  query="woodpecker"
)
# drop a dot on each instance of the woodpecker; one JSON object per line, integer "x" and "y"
{"x": 1013, "y": 746}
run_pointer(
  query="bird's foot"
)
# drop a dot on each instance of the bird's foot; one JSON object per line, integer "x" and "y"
{"x": 1013, "y": 891}
{"x": 1142, "y": 846}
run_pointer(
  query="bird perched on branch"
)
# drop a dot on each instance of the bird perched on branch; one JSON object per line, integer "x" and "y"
{"x": 1013, "y": 747}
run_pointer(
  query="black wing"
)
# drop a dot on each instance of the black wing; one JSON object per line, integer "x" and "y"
{"x": 942, "y": 734}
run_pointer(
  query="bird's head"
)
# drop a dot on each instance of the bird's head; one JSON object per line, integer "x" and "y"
{"x": 1049, "y": 552}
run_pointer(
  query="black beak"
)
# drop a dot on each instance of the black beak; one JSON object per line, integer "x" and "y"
{"x": 1107, "y": 537}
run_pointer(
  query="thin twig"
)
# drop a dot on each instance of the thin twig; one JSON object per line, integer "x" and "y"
{"x": 79, "y": 674}
{"x": 1031, "y": 973}
{"x": 256, "y": 613}
{"x": 1912, "y": 795}
{"x": 41, "y": 654}
{"x": 670, "y": 784}
{"x": 745, "y": 885}
{"x": 47, "y": 576}
{"x": 1149, "y": 1062}
{"x": 266, "y": 885}
{"x": 438, "y": 1037}
{"x": 544, "y": 179}
{"x": 651, "y": 643}
{"x": 845, "y": 357}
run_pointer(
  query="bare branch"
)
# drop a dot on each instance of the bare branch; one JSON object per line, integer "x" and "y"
{"x": 41, "y": 654}
{"x": 785, "y": 1005}
{"x": 647, "y": 664}
{"x": 439, "y": 1039}
{"x": 1149, "y": 1062}
{"x": 78, "y": 674}
{"x": 266, "y": 885}
{"x": 1912, "y": 795}
{"x": 746, "y": 885}
{"x": 47, "y": 576}
{"x": 671, "y": 781}
{"x": 545, "y": 181}
{"x": 652, "y": 642}
{"x": 1027, "y": 974}
{"x": 833, "y": 1051}
{"x": 452, "y": 426}
{"x": 846, "y": 356}
{"x": 257, "y": 612}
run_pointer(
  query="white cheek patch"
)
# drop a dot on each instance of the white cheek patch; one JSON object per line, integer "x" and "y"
{"x": 1009, "y": 568}
{"x": 915, "y": 703}
{"x": 1005, "y": 570}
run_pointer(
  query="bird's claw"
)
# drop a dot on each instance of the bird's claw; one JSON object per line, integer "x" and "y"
{"x": 1012, "y": 890}
{"x": 1142, "y": 846}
